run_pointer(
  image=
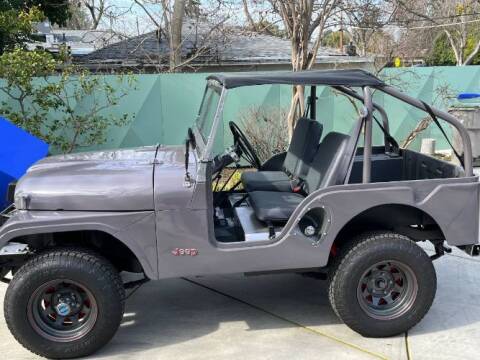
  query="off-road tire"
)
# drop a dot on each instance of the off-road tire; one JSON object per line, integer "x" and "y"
{"x": 91, "y": 270}
{"x": 358, "y": 256}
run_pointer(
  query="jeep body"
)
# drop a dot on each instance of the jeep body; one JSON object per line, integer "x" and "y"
{"x": 154, "y": 210}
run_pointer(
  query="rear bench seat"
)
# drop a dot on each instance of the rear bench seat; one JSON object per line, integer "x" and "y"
{"x": 272, "y": 206}
{"x": 301, "y": 151}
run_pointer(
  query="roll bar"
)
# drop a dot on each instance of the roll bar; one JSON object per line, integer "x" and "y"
{"x": 369, "y": 106}
{"x": 367, "y": 144}
{"x": 377, "y": 107}
{"x": 467, "y": 145}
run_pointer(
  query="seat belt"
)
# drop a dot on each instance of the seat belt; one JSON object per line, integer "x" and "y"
{"x": 297, "y": 186}
{"x": 390, "y": 138}
{"x": 307, "y": 108}
{"x": 434, "y": 118}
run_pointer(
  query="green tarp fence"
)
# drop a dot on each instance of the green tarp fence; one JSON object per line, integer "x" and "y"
{"x": 164, "y": 105}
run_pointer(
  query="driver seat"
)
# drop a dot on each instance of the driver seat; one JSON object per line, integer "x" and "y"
{"x": 325, "y": 170}
{"x": 302, "y": 149}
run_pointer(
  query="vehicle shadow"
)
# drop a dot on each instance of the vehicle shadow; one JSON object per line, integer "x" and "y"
{"x": 456, "y": 304}
{"x": 175, "y": 311}
{"x": 180, "y": 311}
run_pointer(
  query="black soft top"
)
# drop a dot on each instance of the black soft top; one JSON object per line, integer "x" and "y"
{"x": 350, "y": 77}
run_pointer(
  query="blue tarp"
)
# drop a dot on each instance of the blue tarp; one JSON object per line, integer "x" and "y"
{"x": 18, "y": 151}
{"x": 464, "y": 96}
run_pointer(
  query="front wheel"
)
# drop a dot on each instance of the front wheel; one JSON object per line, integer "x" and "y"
{"x": 382, "y": 284}
{"x": 64, "y": 303}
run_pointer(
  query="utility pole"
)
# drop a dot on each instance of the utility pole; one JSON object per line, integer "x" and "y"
{"x": 341, "y": 32}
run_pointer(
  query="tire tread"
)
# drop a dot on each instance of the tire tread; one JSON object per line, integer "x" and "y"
{"x": 96, "y": 264}
{"x": 357, "y": 246}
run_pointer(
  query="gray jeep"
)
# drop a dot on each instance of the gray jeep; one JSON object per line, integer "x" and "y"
{"x": 334, "y": 205}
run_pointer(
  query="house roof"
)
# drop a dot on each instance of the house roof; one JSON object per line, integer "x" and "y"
{"x": 80, "y": 42}
{"x": 218, "y": 46}
{"x": 348, "y": 77}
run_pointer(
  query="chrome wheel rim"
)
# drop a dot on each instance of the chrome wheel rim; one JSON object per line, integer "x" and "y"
{"x": 387, "y": 290}
{"x": 62, "y": 310}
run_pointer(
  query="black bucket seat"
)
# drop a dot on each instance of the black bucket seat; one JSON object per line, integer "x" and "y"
{"x": 301, "y": 151}
{"x": 274, "y": 206}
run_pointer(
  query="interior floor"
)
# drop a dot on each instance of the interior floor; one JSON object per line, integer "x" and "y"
{"x": 235, "y": 221}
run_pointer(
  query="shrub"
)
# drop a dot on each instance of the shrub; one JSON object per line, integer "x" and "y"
{"x": 267, "y": 130}
{"x": 67, "y": 111}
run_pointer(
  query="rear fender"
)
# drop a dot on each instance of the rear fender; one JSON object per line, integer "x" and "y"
{"x": 452, "y": 203}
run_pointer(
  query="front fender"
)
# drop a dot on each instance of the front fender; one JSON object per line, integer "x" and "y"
{"x": 134, "y": 229}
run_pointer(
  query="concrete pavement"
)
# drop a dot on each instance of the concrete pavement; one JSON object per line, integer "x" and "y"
{"x": 280, "y": 317}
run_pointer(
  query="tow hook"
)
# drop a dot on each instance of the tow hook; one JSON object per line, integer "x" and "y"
{"x": 440, "y": 250}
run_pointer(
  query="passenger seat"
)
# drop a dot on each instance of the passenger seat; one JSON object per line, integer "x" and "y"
{"x": 271, "y": 206}
{"x": 301, "y": 151}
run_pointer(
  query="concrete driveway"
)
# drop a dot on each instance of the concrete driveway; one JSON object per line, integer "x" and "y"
{"x": 280, "y": 317}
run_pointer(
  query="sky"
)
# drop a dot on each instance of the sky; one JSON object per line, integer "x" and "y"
{"x": 130, "y": 18}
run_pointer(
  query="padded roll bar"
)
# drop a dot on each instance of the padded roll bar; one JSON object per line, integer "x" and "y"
{"x": 377, "y": 107}
{"x": 467, "y": 145}
{"x": 367, "y": 143}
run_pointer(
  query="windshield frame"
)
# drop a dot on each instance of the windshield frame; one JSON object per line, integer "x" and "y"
{"x": 205, "y": 145}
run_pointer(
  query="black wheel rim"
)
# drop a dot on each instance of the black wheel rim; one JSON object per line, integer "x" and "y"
{"x": 387, "y": 290}
{"x": 62, "y": 310}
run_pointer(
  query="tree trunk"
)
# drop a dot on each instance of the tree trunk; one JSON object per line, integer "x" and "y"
{"x": 458, "y": 57}
{"x": 301, "y": 20}
{"x": 176, "y": 34}
{"x": 297, "y": 106}
{"x": 96, "y": 12}
{"x": 251, "y": 22}
{"x": 472, "y": 55}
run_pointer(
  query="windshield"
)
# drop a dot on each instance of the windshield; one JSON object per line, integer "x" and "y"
{"x": 207, "y": 112}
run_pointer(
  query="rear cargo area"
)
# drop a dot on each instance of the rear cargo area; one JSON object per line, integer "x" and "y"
{"x": 408, "y": 165}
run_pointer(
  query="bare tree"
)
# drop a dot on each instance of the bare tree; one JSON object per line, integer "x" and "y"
{"x": 458, "y": 34}
{"x": 252, "y": 25}
{"x": 457, "y": 19}
{"x": 365, "y": 20}
{"x": 95, "y": 9}
{"x": 176, "y": 33}
{"x": 79, "y": 18}
{"x": 171, "y": 22}
{"x": 305, "y": 23}
{"x": 259, "y": 18}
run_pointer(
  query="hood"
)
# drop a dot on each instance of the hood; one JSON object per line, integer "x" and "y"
{"x": 120, "y": 180}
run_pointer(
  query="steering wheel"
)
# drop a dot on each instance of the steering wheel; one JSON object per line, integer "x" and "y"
{"x": 244, "y": 147}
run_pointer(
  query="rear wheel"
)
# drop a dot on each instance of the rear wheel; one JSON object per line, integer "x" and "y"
{"x": 382, "y": 284}
{"x": 64, "y": 303}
